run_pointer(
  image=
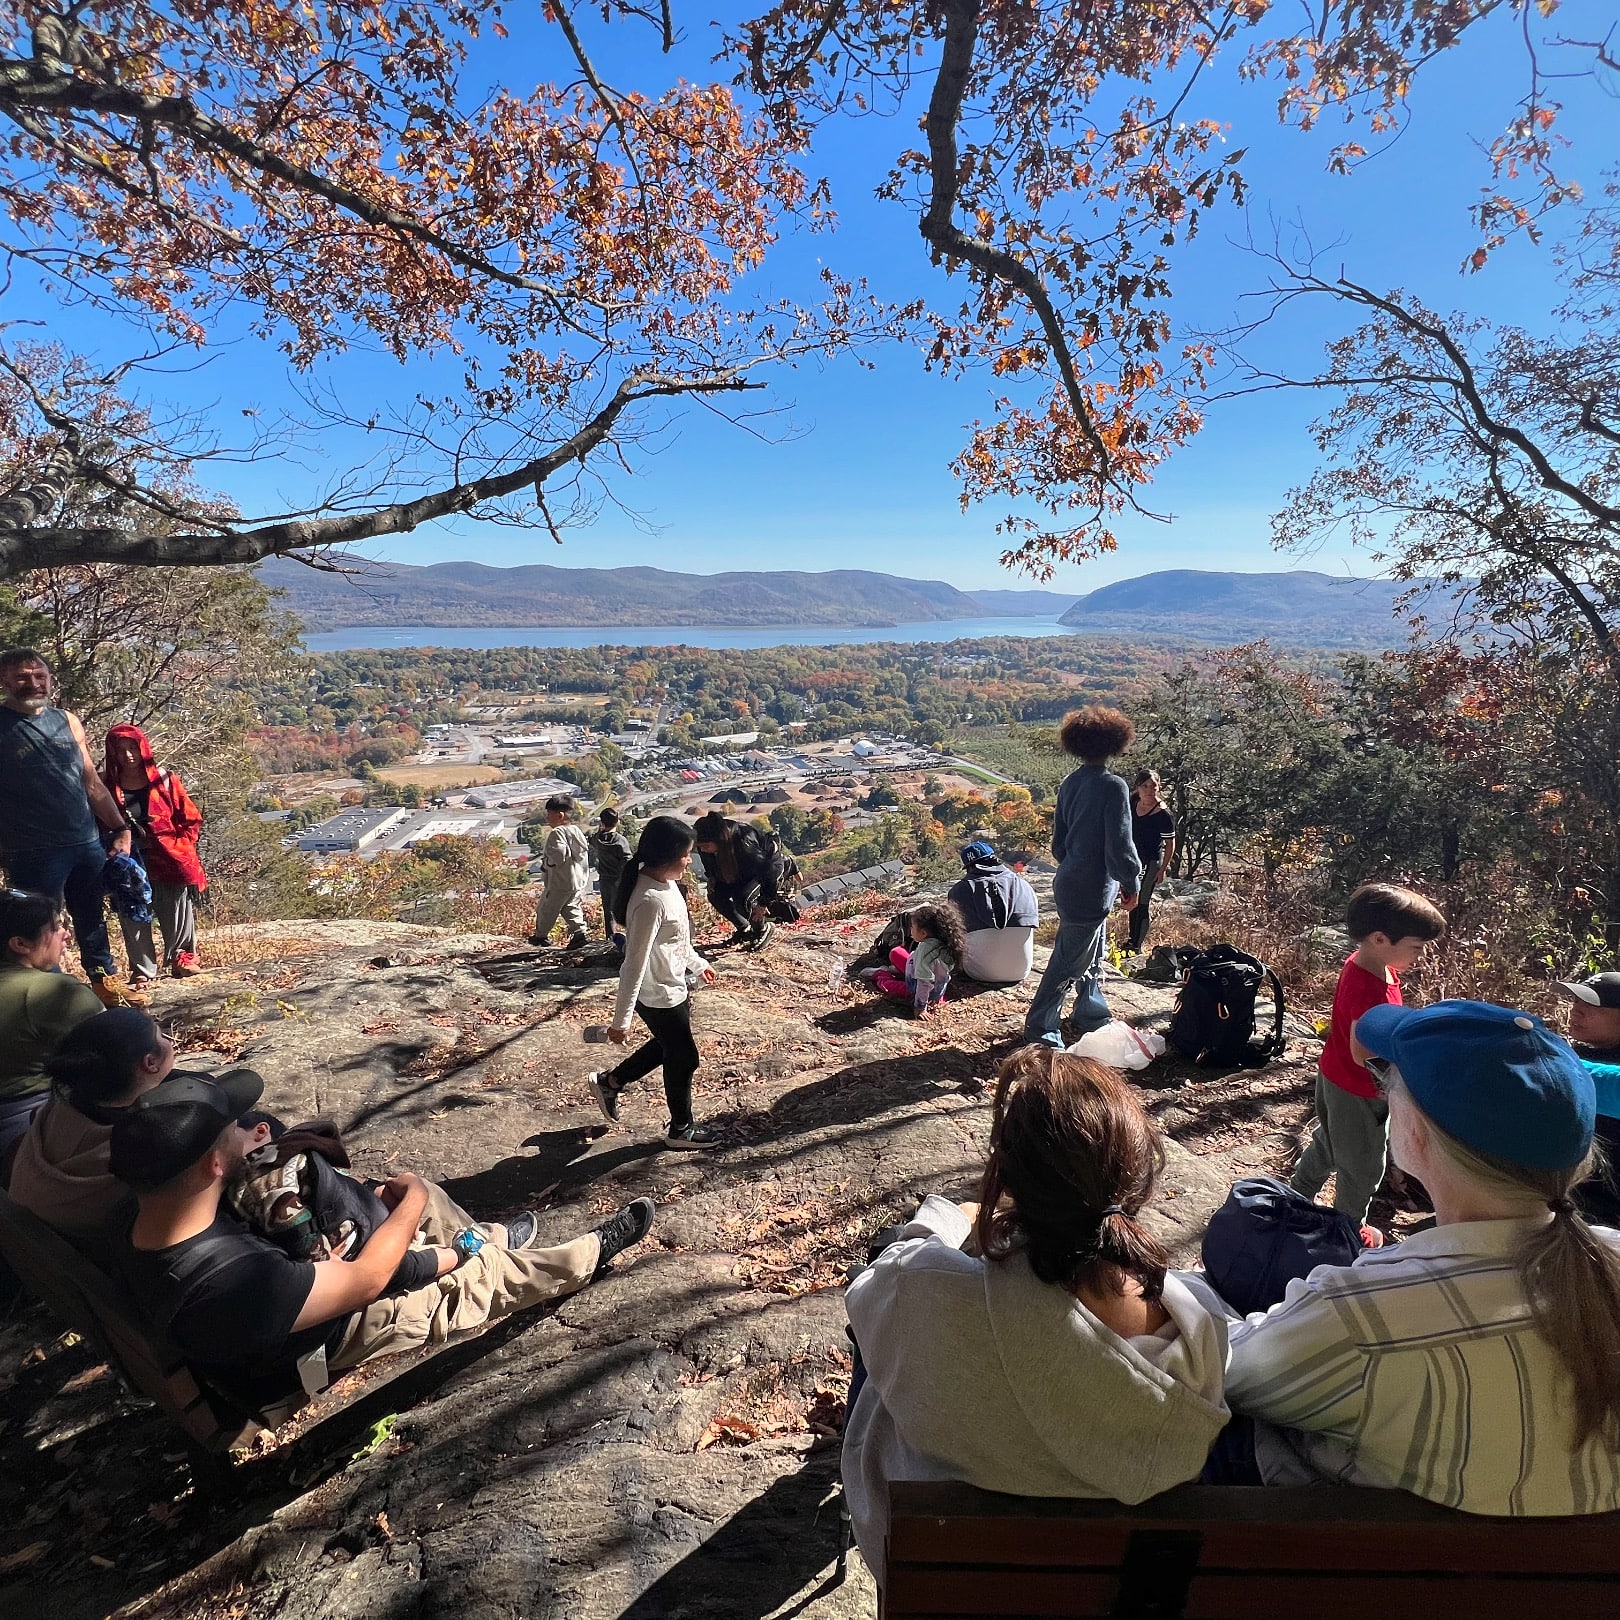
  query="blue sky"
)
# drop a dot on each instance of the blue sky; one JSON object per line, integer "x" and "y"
{"x": 858, "y": 476}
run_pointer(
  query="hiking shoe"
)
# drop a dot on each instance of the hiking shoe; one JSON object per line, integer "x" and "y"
{"x": 618, "y": 1232}
{"x": 606, "y": 1094}
{"x": 539, "y": 939}
{"x": 111, "y": 991}
{"x": 186, "y": 965}
{"x": 520, "y": 1230}
{"x": 578, "y": 942}
{"x": 693, "y": 1138}
{"x": 762, "y": 935}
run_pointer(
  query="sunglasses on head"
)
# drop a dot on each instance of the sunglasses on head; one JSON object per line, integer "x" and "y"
{"x": 1379, "y": 1068}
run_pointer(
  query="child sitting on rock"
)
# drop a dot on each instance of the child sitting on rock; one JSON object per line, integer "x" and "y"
{"x": 923, "y": 972}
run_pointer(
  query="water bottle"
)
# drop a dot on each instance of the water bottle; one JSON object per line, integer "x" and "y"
{"x": 836, "y": 977}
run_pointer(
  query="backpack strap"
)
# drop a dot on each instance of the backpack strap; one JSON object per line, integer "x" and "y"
{"x": 1273, "y": 1044}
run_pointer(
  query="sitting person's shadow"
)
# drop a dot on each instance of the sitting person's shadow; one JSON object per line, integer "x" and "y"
{"x": 561, "y": 1163}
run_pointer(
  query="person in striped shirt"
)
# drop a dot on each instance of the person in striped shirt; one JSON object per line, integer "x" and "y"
{"x": 1476, "y": 1364}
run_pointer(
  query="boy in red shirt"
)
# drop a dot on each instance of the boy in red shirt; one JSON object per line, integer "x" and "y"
{"x": 1391, "y": 927}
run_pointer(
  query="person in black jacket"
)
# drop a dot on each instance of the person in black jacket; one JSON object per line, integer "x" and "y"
{"x": 743, "y": 870}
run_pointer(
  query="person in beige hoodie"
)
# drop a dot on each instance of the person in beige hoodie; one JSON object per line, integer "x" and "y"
{"x": 60, "y": 1170}
{"x": 1039, "y": 1345}
{"x": 566, "y": 874}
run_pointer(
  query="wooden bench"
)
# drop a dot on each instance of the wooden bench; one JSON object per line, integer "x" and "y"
{"x": 99, "y": 1309}
{"x": 1205, "y": 1552}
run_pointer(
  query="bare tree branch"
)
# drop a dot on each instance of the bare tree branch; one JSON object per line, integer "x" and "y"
{"x": 948, "y": 239}
{"x": 23, "y": 548}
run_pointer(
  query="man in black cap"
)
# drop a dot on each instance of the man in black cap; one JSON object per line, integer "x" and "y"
{"x": 261, "y": 1324}
{"x": 1594, "y": 1032}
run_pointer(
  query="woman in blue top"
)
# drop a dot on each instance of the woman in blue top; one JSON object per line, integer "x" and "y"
{"x": 1097, "y": 865}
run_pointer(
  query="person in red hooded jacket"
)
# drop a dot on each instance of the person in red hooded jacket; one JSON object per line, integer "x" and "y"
{"x": 166, "y": 823}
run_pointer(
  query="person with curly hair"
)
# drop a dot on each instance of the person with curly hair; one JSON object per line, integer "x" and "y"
{"x": 1037, "y": 1344}
{"x": 924, "y": 972}
{"x": 1097, "y": 865}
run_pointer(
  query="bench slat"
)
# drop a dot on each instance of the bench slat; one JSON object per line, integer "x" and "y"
{"x": 1562, "y": 1545}
{"x": 956, "y": 1594}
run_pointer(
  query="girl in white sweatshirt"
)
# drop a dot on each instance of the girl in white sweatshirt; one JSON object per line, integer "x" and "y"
{"x": 1039, "y": 1346}
{"x": 652, "y": 983}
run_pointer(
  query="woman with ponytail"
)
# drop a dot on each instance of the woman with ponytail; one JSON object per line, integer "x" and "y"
{"x": 1039, "y": 1345}
{"x": 1476, "y": 1364}
{"x": 651, "y": 908}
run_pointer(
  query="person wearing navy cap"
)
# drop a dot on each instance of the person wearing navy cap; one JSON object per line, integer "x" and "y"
{"x": 1476, "y": 1364}
{"x": 1001, "y": 914}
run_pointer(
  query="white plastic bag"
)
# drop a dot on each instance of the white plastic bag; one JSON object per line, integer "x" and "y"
{"x": 1120, "y": 1046}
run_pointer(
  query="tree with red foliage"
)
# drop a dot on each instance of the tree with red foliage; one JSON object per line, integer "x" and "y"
{"x": 578, "y": 252}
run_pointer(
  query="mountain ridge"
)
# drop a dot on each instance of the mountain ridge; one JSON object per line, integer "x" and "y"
{"x": 465, "y": 594}
{"x": 1299, "y": 606}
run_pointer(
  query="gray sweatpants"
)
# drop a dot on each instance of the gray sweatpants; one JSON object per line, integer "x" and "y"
{"x": 1352, "y": 1142}
{"x": 174, "y": 914}
{"x": 560, "y": 898}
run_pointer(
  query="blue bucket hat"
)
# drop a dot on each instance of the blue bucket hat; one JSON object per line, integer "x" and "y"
{"x": 1496, "y": 1080}
{"x": 978, "y": 853}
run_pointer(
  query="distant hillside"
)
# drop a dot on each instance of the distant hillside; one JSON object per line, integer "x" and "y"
{"x": 1299, "y": 608}
{"x": 471, "y": 594}
{"x": 1024, "y": 604}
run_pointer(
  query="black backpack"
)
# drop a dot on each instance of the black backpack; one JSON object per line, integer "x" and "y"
{"x": 1265, "y": 1235}
{"x": 1213, "y": 1021}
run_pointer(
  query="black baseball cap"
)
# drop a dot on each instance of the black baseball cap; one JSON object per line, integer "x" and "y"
{"x": 1600, "y": 990}
{"x": 169, "y": 1128}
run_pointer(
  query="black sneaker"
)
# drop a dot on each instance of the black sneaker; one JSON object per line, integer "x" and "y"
{"x": 578, "y": 942}
{"x": 606, "y": 1094}
{"x": 762, "y": 935}
{"x": 618, "y": 1232}
{"x": 693, "y": 1138}
{"x": 520, "y": 1230}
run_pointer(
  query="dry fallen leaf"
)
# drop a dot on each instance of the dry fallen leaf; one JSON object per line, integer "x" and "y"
{"x": 24, "y": 1556}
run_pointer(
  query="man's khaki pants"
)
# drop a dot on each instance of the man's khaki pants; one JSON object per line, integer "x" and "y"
{"x": 560, "y": 898}
{"x": 494, "y": 1283}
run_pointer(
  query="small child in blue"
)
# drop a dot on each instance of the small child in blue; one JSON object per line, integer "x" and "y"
{"x": 924, "y": 972}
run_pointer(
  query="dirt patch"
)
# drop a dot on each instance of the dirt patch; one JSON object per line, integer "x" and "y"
{"x": 440, "y": 776}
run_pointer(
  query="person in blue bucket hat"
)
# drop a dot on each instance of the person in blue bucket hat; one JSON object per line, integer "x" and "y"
{"x": 1476, "y": 1364}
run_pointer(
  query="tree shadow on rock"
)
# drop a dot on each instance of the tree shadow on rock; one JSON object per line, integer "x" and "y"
{"x": 872, "y": 1088}
{"x": 759, "y": 1558}
{"x": 546, "y": 969}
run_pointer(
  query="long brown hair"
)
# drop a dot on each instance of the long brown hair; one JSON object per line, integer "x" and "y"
{"x": 1073, "y": 1162}
{"x": 720, "y": 830}
{"x": 1570, "y": 1275}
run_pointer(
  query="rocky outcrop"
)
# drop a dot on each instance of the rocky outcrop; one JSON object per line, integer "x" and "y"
{"x": 660, "y": 1444}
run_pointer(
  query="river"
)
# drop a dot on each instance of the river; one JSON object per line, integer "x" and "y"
{"x": 677, "y": 635}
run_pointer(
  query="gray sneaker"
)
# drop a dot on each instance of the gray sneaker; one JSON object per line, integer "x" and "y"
{"x": 692, "y": 1138}
{"x": 606, "y": 1094}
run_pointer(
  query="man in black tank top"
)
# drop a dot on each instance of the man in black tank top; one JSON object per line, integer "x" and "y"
{"x": 51, "y": 799}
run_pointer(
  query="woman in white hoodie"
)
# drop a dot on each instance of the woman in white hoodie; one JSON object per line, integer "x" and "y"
{"x": 653, "y": 981}
{"x": 1039, "y": 1347}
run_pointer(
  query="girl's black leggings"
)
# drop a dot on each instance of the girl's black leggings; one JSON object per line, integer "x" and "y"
{"x": 672, "y": 1046}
